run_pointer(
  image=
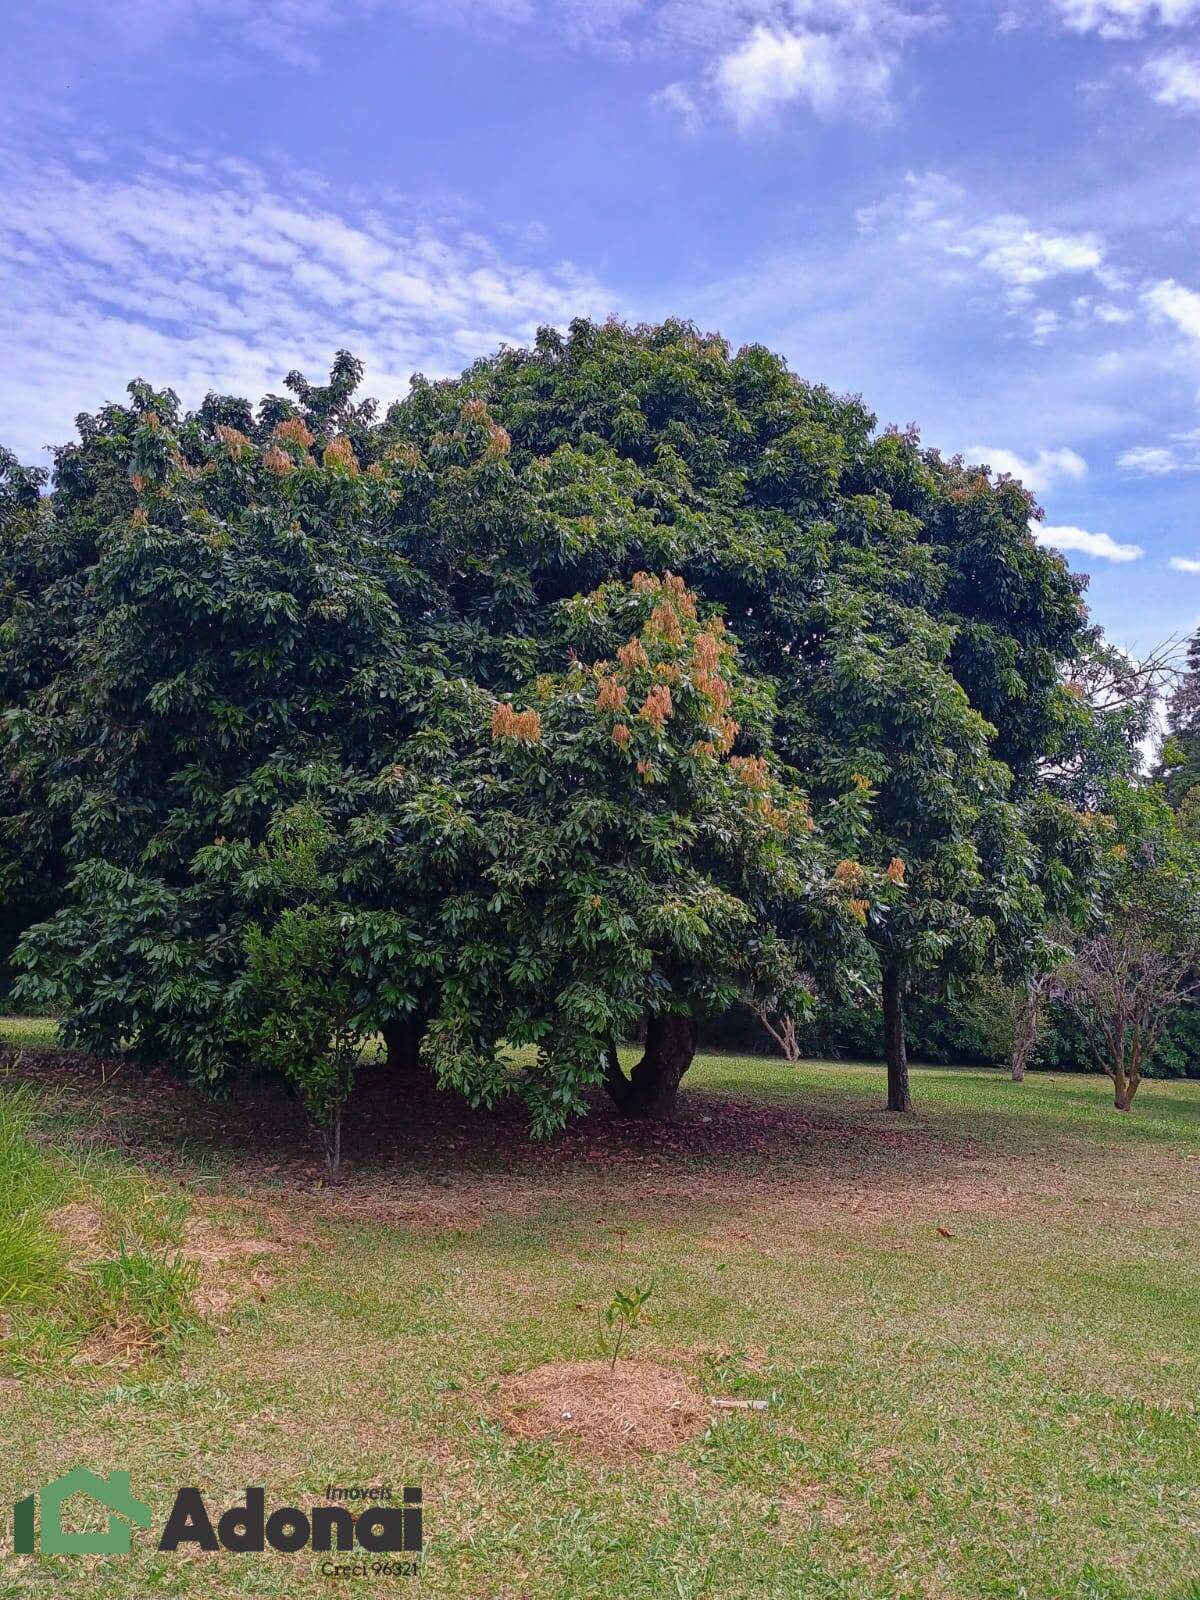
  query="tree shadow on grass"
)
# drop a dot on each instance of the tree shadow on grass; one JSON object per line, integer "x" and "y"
{"x": 412, "y": 1151}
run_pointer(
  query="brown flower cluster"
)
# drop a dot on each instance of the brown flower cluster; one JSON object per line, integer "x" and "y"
{"x": 657, "y": 706}
{"x": 726, "y": 730}
{"x": 293, "y": 429}
{"x": 751, "y": 770}
{"x": 706, "y": 653}
{"x": 664, "y": 624}
{"x": 525, "y": 727}
{"x": 633, "y": 655}
{"x": 895, "y": 870}
{"x": 278, "y": 461}
{"x": 620, "y": 734}
{"x": 499, "y": 443}
{"x": 339, "y": 456}
{"x": 612, "y": 695}
{"x": 858, "y": 910}
{"x": 235, "y": 442}
{"x": 848, "y": 872}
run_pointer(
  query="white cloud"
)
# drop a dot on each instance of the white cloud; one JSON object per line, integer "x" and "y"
{"x": 1047, "y": 469}
{"x": 1152, "y": 460}
{"x": 1124, "y": 19}
{"x": 1042, "y": 324}
{"x": 201, "y": 279}
{"x": 1185, "y": 564}
{"x": 1157, "y": 461}
{"x": 754, "y": 58}
{"x": 831, "y": 73}
{"x": 1172, "y": 302}
{"x": 934, "y": 217}
{"x": 1174, "y": 80}
{"x": 677, "y": 97}
{"x": 1101, "y": 545}
{"x": 1024, "y": 256}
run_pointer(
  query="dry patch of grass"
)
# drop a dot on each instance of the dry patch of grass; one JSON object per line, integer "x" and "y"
{"x": 602, "y": 1410}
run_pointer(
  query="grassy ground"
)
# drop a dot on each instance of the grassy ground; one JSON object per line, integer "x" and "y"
{"x": 978, "y": 1331}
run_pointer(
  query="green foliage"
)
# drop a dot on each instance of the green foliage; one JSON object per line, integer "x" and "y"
{"x": 221, "y": 616}
{"x": 621, "y": 1319}
{"x": 613, "y": 859}
{"x": 298, "y": 999}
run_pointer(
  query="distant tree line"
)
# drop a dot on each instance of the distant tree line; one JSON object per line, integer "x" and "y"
{"x": 619, "y": 683}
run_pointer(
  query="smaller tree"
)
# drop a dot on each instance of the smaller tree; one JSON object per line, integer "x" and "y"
{"x": 299, "y": 1001}
{"x": 1028, "y": 1004}
{"x": 1140, "y": 960}
{"x": 300, "y": 1020}
{"x": 780, "y": 1024}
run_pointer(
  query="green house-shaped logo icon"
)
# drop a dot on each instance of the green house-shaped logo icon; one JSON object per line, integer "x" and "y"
{"x": 113, "y": 1493}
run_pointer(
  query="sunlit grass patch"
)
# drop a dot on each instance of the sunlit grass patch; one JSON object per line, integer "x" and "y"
{"x": 41, "y": 1032}
{"x": 90, "y": 1258}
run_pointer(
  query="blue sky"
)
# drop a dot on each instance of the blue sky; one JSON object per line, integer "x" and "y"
{"x": 984, "y": 218}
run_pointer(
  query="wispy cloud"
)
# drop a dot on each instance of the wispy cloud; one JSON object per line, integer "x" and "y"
{"x": 211, "y": 277}
{"x": 292, "y": 30}
{"x": 1185, "y": 564}
{"x": 1153, "y": 461}
{"x": 679, "y": 99}
{"x": 1124, "y": 19}
{"x": 1181, "y": 454}
{"x": 1101, "y": 545}
{"x": 934, "y": 216}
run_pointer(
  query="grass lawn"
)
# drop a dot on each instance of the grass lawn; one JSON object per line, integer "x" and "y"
{"x": 977, "y": 1328}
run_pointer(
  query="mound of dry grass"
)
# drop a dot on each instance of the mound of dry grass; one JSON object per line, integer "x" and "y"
{"x": 601, "y": 1412}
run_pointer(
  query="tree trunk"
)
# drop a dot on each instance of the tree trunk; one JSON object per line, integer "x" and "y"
{"x": 893, "y": 1039}
{"x": 1124, "y": 1088}
{"x": 331, "y": 1137}
{"x": 402, "y": 1036}
{"x": 782, "y": 1030}
{"x": 1027, "y": 1024}
{"x": 1020, "y": 1054}
{"x": 652, "y": 1088}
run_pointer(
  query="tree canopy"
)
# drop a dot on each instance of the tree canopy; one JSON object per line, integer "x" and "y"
{"x": 622, "y": 675}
